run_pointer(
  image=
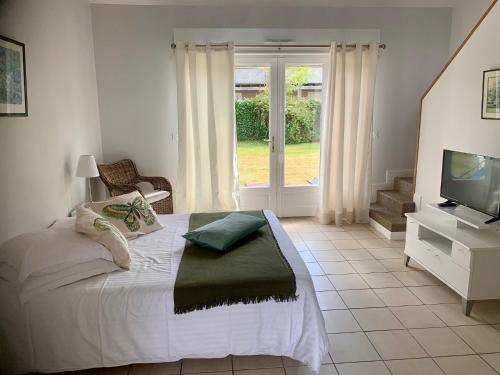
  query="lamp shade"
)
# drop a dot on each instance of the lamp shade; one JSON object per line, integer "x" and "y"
{"x": 87, "y": 166}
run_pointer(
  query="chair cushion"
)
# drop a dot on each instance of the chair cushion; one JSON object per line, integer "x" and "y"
{"x": 130, "y": 213}
{"x": 156, "y": 195}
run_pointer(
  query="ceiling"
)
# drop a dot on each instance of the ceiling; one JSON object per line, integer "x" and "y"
{"x": 332, "y": 3}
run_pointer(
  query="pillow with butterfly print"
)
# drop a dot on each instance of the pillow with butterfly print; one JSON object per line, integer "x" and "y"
{"x": 130, "y": 213}
{"x": 101, "y": 230}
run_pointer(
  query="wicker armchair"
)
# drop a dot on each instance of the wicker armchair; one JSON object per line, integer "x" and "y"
{"x": 122, "y": 177}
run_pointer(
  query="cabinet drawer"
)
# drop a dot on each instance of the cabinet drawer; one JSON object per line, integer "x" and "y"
{"x": 439, "y": 263}
{"x": 461, "y": 255}
{"x": 411, "y": 228}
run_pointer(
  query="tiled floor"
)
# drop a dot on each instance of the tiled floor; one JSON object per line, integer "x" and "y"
{"x": 381, "y": 317}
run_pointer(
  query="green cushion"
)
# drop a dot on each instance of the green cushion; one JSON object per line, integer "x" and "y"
{"x": 223, "y": 233}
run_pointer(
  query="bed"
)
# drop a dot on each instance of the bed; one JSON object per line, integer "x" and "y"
{"x": 128, "y": 317}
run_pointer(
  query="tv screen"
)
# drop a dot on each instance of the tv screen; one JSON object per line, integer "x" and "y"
{"x": 471, "y": 180}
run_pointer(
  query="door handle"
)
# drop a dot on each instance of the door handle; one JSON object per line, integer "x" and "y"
{"x": 271, "y": 141}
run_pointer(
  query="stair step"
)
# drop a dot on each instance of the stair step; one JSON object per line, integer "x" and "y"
{"x": 396, "y": 202}
{"x": 404, "y": 185}
{"x": 388, "y": 219}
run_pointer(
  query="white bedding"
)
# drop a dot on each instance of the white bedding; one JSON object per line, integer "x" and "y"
{"x": 127, "y": 316}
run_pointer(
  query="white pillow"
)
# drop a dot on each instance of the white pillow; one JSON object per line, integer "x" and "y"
{"x": 35, "y": 285}
{"x": 47, "y": 251}
{"x": 102, "y": 231}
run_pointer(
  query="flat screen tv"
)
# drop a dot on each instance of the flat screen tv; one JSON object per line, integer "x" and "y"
{"x": 472, "y": 181}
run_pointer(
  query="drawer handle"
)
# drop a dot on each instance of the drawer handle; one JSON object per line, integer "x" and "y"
{"x": 460, "y": 249}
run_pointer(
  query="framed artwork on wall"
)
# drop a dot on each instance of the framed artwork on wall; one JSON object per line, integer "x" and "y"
{"x": 13, "y": 97}
{"x": 491, "y": 95}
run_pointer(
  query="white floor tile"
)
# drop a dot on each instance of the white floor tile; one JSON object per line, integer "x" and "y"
{"x": 363, "y": 368}
{"x": 414, "y": 367}
{"x": 347, "y": 244}
{"x": 483, "y": 339}
{"x": 431, "y": 295}
{"x": 358, "y": 254}
{"x": 488, "y": 310}
{"x": 466, "y": 365}
{"x": 453, "y": 315}
{"x": 350, "y": 281}
{"x": 417, "y": 317}
{"x": 351, "y": 347}
{"x": 307, "y": 257}
{"x": 263, "y": 371}
{"x": 356, "y": 299}
{"x": 374, "y": 243}
{"x": 340, "y": 321}
{"x": 374, "y": 319}
{"x": 322, "y": 283}
{"x": 330, "y": 300}
{"x": 387, "y": 253}
{"x": 441, "y": 342}
{"x": 315, "y": 269}
{"x": 381, "y": 280}
{"x": 304, "y": 370}
{"x": 493, "y": 360}
{"x": 328, "y": 256}
{"x": 319, "y": 245}
{"x": 191, "y": 366}
{"x": 337, "y": 268}
{"x": 338, "y": 236}
{"x": 397, "y": 297}
{"x": 256, "y": 362}
{"x": 396, "y": 345}
{"x": 313, "y": 236}
{"x": 364, "y": 234}
{"x": 417, "y": 278}
{"x": 367, "y": 266}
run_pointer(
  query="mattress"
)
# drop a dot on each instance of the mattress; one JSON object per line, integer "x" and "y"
{"x": 128, "y": 317}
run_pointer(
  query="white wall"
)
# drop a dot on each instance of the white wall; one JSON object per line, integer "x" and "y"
{"x": 464, "y": 17}
{"x": 38, "y": 153}
{"x": 136, "y": 72}
{"x": 451, "y": 116}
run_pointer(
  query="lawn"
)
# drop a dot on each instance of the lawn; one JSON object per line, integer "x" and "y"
{"x": 301, "y": 163}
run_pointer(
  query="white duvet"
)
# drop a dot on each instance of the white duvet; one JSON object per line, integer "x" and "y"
{"x": 127, "y": 316}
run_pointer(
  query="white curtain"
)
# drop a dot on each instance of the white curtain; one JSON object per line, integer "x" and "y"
{"x": 207, "y": 174}
{"x": 345, "y": 171}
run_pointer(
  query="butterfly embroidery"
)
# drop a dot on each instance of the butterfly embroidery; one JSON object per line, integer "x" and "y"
{"x": 102, "y": 225}
{"x": 131, "y": 213}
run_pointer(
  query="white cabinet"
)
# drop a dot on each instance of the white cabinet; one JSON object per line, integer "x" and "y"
{"x": 464, "y": 257}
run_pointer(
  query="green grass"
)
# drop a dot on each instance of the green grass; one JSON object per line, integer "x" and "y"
{"x": 301, "y": 163}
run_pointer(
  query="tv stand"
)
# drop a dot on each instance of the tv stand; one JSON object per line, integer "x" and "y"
{"x": 448, "y": 203}
{"x": 492, "y": 220}
{"x": 458, "y": 248}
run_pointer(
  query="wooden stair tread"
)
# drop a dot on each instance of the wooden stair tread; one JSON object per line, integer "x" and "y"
{"x": 388, "y": 219}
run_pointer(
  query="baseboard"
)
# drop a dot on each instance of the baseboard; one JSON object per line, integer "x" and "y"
{"x": 390, "y": 175}
{"x": 393, "y": 236}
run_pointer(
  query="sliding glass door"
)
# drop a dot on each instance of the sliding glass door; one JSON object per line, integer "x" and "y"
{"x": 278, "y": 104}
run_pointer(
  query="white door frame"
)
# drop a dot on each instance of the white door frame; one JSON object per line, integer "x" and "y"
{"x": 255, "y": 197}
{"x": 299, "y": 200}
{"x": 283, "y": 200}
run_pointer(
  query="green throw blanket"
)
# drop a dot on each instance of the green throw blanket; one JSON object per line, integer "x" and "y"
{"x": 253, "y": 271}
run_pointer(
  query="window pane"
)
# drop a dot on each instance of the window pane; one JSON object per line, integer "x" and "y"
{"x": 304, "y": 89}
{"x": 252, "y": 124}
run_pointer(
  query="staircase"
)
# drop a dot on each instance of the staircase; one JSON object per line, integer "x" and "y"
{"x": 391, "y": 205}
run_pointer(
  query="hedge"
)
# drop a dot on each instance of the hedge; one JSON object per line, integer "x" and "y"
{"x": 302, "y": 118}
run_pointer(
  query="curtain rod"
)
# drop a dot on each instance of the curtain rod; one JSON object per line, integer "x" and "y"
{"x": 381, "y": 46}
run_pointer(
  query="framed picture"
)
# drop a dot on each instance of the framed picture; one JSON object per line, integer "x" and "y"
{"x": 491, "y": 95}
{"x": 13, "y": 98}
